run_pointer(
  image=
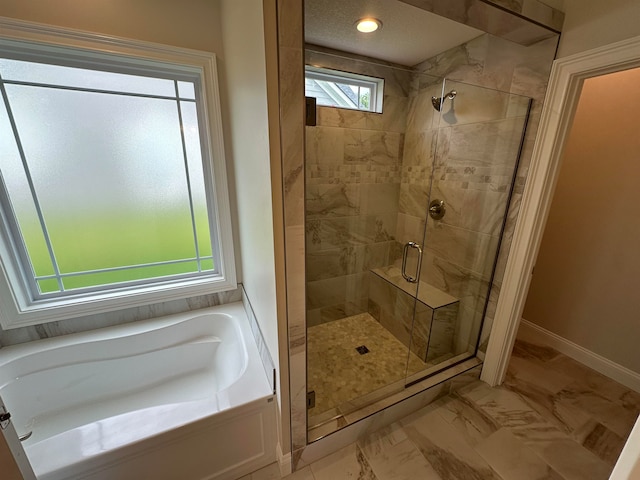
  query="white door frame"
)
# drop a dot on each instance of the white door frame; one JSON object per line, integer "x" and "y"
{"x": 563, "y": 92}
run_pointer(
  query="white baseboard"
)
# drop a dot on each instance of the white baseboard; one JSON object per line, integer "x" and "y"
{"x": 533, "y": 333}
{"x": 284, "y": 461}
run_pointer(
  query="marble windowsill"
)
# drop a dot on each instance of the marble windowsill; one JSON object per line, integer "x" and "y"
{"x": 427, "y": 294}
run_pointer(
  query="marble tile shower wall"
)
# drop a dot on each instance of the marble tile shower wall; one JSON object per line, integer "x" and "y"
{"x": 475, "y": 148}
{"x": 464, "y": 156}
{"x": 535, "y": 10}
{"x": 353, "y": 176}
{"x": 417, "y": 164}
{"x": 369, "y": 177}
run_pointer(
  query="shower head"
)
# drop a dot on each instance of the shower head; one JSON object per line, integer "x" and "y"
{"x": 438, "y": 101}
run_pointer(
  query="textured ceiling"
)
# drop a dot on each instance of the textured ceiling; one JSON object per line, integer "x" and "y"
{"x": 409, "y": 35}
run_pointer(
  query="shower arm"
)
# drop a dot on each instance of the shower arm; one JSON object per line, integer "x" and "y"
{"x": 409, "y": 278}
{"x": 437, "y": 101}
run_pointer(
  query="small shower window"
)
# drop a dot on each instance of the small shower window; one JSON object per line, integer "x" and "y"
{"x": 111, "y": 181}
{"x": 333, "y": 88}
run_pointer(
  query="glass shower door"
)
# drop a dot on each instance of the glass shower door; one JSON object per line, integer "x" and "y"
{"x": 478, "y": 138}
{"x": 358, "y": 321}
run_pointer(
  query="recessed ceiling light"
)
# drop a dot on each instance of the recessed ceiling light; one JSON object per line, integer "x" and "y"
{"x": 368, "y": 25}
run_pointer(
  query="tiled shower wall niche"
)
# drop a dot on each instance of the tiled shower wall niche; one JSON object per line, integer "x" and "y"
{"x": 352, "y": 192}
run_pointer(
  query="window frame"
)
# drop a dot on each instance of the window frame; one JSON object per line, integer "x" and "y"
{"x": 36, "y": 42}
{"x": 375, "y": 84}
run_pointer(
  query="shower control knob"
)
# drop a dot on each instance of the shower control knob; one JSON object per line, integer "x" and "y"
{"x": 436, "y": 209}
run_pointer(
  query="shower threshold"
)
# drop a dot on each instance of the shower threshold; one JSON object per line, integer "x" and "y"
{"x": 432, "y": 384}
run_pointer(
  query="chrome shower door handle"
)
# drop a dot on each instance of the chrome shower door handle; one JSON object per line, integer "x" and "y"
{"x": 405, "y": 252}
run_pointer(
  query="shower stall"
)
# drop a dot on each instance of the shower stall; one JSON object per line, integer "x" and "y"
{"x": 405, "y": 211}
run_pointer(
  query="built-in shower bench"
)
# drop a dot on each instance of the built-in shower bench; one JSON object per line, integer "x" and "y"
{"x": 431, "y": 333}
{"x": 428, "y": 294}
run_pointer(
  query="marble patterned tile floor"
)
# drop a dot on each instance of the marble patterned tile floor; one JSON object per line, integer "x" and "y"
{"x": 553, "y": 418}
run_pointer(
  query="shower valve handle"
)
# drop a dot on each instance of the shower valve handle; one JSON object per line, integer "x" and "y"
{"x": 436, "y": 209}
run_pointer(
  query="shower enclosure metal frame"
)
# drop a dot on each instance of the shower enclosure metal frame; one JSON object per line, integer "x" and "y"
{"x": 536, "y": 32}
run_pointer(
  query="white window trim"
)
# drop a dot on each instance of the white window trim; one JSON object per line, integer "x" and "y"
{"x": 375, "y": 84}
{"x": 17, "y": 309}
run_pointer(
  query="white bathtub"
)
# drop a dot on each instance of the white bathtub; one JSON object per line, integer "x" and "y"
{"x": 178, "y": 397}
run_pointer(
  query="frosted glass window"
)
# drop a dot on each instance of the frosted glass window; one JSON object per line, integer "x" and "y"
{"x": 103, "y": 177}
{"x": 186, "y": 90}
{"x": 58, "y": 75}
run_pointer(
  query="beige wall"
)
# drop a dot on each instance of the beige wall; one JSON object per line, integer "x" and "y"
{"x": 593, "y": 23}
{"x": 247, "y": 136}
{"x": 585, "y": 284}
{"x": 189, "y": 24}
